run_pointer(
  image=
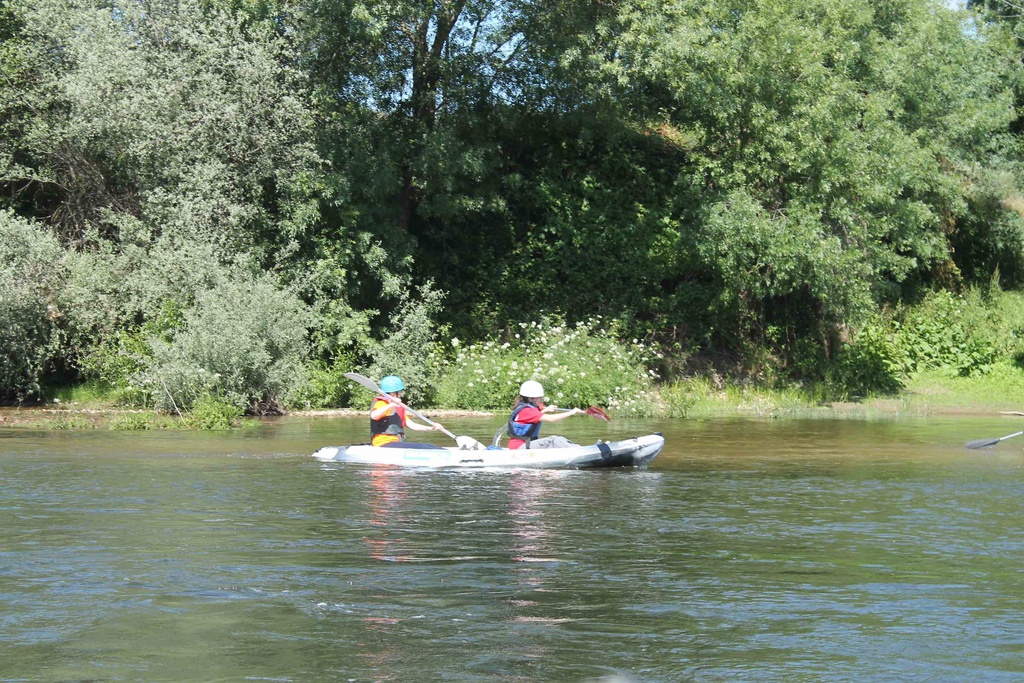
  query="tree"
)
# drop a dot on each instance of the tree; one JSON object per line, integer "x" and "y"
{"x": 182, "y": 114}
{"x": 828, "y": 142}
{"x": 175, "y": 146}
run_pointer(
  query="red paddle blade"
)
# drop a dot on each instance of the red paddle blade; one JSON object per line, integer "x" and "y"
{"x": 594, "y": 411}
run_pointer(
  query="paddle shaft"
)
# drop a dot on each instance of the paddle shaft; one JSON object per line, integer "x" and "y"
{"x": 372, "y": 386}
{"x": 985, "y": 443}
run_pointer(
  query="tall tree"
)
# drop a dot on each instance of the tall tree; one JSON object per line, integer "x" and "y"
{"x": 185, "y": 115}
{"x": 833, "y": 144}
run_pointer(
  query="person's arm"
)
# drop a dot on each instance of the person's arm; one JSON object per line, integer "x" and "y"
{"x": 417, "y": 427}
{"x": 549, "y": 414}
{"x": 383, "y": 409}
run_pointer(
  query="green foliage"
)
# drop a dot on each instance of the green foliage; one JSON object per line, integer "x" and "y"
{"x": 829, "y": 144}
{"x": 327, "y": 386}
{"x": 869, "y": 365}
{"x": 187, "y": 114}
{"x": 114, "y": 361}
{"x": 997, "y": 390}
{"x": 212, "y": 413}
{"x": 70, "y": 422}
{"x": 578, "y": 365}
{"x": 131, "y": 422}
{"x": 739, "y": 179}
{"x": 117, "y": 302}
{"x": 31, "y": 274}
{"x": 761, "y": 258}
{"x": 955, "y": 334}
{"x": 406, "y": 347}
{"x": 938, "y": 335}
{"x": 242, "y": 341}
{"x": 678, "y": 399}
{"x": 707, "y": 396}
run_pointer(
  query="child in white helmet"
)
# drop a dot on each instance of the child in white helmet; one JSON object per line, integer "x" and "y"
{"x": 527, "y": 415}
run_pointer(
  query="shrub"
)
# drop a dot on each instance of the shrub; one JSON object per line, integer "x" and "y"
{"x": 406, "y": 350}
{"x": 210, "y": 412}
{"x": 327, "y": 386}
{"x": 955, "y": 334}
{"x": 578, "y": 365}
{"x": 31, "y": 275}
{"x": 244, "y": 341}
{"x": 131, "y": 422}
{"x": 111, "y": 362}
{"x": 944, "y": 332}
{"x": 96, "y": 301}
{"x": 70, "y": 422}
{"x": 869, "y": 364}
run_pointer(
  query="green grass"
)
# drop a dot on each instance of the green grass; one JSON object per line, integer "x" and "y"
{"x": 87, "y": 395}
{"x": 703, "y": 397}
{"x": 926, "y": 393}
{"x": 1002, "y": 389}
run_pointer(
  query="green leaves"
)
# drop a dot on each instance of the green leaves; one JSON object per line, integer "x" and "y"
{"x": 187, "y": 115}
{"x": 243, "y": 342}
{"x": 719, "y": 174}
{"x": 31, "y": 276}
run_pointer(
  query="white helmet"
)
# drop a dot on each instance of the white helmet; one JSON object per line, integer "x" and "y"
{"x": 531, "y": 389}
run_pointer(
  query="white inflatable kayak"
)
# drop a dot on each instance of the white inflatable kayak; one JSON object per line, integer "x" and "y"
{"x": 635, "y": 452}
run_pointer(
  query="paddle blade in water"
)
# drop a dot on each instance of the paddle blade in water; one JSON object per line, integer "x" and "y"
{"x": 985, "y": 443}
{"x": 594, "y": 411}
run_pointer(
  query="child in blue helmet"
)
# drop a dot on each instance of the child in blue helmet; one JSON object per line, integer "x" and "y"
{"x": 388, "y": 420}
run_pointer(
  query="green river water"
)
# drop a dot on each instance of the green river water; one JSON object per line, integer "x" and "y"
{"x": 748, "y": 551}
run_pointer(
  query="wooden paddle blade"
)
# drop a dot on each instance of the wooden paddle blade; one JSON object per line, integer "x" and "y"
{"x": 594, "y": 411}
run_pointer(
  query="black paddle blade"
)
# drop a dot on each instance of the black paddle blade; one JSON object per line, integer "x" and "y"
{"x": 985, "y": 443}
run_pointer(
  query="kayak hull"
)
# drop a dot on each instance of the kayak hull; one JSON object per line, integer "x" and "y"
{"x": 634, "y": 452}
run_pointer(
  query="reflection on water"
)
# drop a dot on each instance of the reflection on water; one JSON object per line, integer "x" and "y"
{"x": 748, "y": 551}
{"x": 529, "y": 496}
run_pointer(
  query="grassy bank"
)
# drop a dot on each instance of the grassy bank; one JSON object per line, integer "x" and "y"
{"x": 928, "y": 393}
{"x": 89, "y": 406}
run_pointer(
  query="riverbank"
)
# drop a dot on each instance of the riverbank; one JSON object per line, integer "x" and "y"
{"x": 73, "y": 417}
{"x": 1000, "y": 392}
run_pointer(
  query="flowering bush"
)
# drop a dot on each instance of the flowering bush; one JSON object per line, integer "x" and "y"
{"x": 579, "y": 365}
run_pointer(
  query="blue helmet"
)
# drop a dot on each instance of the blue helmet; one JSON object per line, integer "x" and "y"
{"x": 391, "y": 384}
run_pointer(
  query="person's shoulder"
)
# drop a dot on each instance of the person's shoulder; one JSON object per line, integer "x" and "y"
{"x": 529, "y": 413}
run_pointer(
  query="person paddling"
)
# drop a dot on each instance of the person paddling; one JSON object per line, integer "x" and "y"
{"x": 388, "y": 420}
{"x": 528, "y": 414}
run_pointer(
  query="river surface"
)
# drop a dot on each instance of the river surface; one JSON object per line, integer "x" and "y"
{"x": 748, "y": 551}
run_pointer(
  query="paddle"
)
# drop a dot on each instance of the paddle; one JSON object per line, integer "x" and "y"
{"x": 467, "y": 442}
{"x": 592, "y": 411}
{"x": 985, "y": 443}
